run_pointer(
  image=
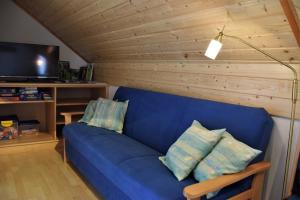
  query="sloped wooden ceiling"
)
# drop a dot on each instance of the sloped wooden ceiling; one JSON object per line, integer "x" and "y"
{"x": 166, "y": 29}
{"x": 159, "y": 45}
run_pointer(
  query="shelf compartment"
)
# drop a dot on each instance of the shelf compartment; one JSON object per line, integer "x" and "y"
{"x": 72, "y": 102}
{"x": 27, "y": 139}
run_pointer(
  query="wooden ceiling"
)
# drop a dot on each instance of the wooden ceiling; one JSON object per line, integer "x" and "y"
{"x": 101, "y": 30}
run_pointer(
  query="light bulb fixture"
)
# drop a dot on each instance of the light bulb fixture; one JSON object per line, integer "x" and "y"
{"x": 214, "y": 47}
{"x": 213, "y": 50}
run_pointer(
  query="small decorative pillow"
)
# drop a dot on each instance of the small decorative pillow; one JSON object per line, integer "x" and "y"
{"x": 109, "y": 114}
{"x": 192, "y": 146}
{"x": 89, "y": 112}
{"x": 229, "y": 156}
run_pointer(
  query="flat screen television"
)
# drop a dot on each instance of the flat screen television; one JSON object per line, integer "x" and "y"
{"x": 20, "y": 61}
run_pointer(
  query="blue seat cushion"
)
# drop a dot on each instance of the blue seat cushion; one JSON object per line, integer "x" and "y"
{"x": 104, "y": 146}
{"x": 132, "y": 166}
{"x": 146, "y": 178}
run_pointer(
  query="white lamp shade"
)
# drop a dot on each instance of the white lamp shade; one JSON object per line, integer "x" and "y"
{"x": 213, "y": 49}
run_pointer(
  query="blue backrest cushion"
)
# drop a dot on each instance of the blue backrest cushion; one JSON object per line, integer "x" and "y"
{"x": 158, "y": 119}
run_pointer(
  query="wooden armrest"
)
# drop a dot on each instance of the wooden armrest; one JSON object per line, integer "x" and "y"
{"x": 199, "y": 189}
{"x": 71, "y": 113}
{"x": 68, "y": 116}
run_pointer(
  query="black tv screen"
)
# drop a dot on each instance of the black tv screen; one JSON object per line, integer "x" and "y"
{"x": 19, "y": 60}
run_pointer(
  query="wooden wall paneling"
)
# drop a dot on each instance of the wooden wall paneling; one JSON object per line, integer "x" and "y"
{"x": 275, "y": 106}
{"x": 176, "y": 40}
{"x": 268, "y": 70}
{"x": 188, "y": 46}
{"x": 290, "y": 54}
{"x": 238, "y": 88}
{"x": 246, "y": 85}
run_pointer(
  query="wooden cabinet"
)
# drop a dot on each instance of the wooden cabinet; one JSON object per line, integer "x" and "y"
{"x": 65, "y": 98}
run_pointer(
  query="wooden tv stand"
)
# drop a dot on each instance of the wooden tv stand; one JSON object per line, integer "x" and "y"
{"x": 66, "y": 97}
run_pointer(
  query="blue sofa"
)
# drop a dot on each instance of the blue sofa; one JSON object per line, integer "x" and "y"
{"x": 126, "y": 166}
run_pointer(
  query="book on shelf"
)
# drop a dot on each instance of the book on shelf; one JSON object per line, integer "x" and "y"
{"x": 14, "y": 98}
{"x": 8, "y": 95}
{"x": 30, "y": 97}
{"x": 30, "y": 90}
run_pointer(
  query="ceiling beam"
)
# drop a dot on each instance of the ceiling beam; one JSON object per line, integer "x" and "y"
{"x": 290, "y": 12}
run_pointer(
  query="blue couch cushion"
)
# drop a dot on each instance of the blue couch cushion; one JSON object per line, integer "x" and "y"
{"x": 158, "y": 119}
{"x": 104, "y": 147}
{"x": 133, "y": 167}
{"x": 146, "y": 178}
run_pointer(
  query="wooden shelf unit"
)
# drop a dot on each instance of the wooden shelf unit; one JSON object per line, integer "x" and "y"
{"x": 71, "y": 97}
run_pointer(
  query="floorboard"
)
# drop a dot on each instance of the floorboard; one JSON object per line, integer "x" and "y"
{"x": 40, "y": 174}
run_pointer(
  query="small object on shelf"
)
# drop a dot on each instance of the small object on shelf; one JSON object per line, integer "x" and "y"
{"x": 8, "y": 127}
{"x": 89, "y": 73}
{"x": 86, "y": 73}
{"x": 29, "y": 94}
{"x": 9, "y": 94}
{"x": 29, "y": 127}
{"x": 64, "y": 70}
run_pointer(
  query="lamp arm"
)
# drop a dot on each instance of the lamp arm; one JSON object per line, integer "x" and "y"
{"x": 263, "y": 52}
{"x": 293, "y": 108}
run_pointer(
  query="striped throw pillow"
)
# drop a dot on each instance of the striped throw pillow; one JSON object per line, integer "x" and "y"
{"x": 89, "y": 112}
{"x": 229, "y": 156}
{"x": 109, "y": 115}
{"x": 192, "y": 146}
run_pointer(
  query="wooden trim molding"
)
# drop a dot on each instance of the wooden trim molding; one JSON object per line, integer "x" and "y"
{"x": 290, "y": 12}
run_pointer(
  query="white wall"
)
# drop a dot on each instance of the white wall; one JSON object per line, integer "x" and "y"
{"x": 17, "y": 26}
{"x": 276, "y": 153}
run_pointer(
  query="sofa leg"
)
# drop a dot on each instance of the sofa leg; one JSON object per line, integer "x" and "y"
{"x": 65, "y": 154}
{"x": 257, "y": 186}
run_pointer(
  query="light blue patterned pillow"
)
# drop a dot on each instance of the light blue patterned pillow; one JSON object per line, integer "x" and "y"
{"x": 192, "y": 146}
{"x": 109, "y": 114}
{"x": 89, "y": 112}
{"x": 229, "y": 156}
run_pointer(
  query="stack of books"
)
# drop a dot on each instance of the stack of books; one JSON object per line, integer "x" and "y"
{"x": 29, "y": 126}
{"x": 9, "y": 94}
{"x": 29, "y": 94}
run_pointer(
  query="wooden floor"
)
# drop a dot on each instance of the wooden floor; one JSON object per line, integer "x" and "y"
{"x": 40, "y": 174}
